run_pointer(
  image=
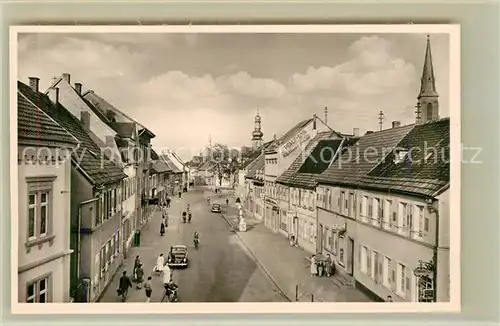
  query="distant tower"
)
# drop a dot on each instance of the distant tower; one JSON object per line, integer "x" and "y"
{"x": 381, "y": 119}
{"x": 257, "y": 133}
{"x": 428, "y": 96}
{"x": 326, "y": 115}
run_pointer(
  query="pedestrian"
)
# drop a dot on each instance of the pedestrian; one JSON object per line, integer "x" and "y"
{"x": 162, "y": 228}
{"x": 167, "y": 277}
{"x": 320, "y": 268}
{"x": 160, "y": 263}
{"x": 180, "y": 194}
{"x": 137, "y": 262}
{"x": 124, "y": 285}
{"x": 168, "y": 201}
{"x": 148, "y": 289}
{"x": 139, "y": 275}
{"x": 389, "y": 298}
{"x": 328, "y": 265}
{"x": 227, "y": 201}
{"x": 313, "y": 265}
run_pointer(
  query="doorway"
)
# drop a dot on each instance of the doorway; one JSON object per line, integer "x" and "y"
{"x": 319, "y": 239}
{"x": 350, "y": 256}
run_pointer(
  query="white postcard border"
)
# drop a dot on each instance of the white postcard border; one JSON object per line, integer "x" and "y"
{"x": 454, "y": 305}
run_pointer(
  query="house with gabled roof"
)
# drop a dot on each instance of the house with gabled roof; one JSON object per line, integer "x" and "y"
{"x": 177, "y": 176}
{"x": 44, "y": 151}
{"x": 297, "y": 188}
{"x": 160, "y": 172}
{"x": 384, "y": 206}
{"x": 134, "y": 143}
{"x": 96, "y": 208}
{"x": 278, "y": 158}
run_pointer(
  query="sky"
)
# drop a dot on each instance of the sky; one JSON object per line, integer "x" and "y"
{"x": 187, "y": 88}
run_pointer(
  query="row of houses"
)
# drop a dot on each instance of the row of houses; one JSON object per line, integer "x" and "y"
{"x": 88, "y": 181}
{"x": 378, "y": 204}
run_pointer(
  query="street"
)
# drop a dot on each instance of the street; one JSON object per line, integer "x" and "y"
{"x": 221, "y": 270}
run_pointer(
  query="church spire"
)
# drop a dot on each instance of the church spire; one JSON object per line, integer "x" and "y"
{"x": 428, "y": 96}
{"x": 257, "y": 132}
{"x": 428, "y": 82}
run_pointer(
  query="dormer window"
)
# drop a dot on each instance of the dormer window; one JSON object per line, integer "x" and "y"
{"x": 400, "y": 155}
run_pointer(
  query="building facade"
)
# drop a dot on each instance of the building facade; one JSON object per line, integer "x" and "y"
{"x": 44, "y": 177}
{"x": 95, "y": 209}
{"x": 278, "y": 158}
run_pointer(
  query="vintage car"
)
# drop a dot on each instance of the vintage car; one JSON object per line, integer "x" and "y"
{"x": 216, "y": 208}
{"x": 178, "y": 256}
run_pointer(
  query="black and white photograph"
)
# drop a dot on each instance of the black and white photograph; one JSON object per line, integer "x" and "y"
{"x": 284, "y": 168}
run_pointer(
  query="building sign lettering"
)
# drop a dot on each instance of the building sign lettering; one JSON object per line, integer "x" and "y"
{"x": 290, "y": 146}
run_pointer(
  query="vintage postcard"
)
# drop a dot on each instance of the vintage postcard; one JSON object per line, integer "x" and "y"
{"x": 235, "y": 169}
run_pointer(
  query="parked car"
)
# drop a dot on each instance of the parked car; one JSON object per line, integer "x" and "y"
{"x": 216, "y": 208}
{"x": 178, "y": 256}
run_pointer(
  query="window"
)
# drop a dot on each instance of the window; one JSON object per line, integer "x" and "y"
{"x": 39, "y": 209}
{"x": 341, "y": 250}
{"x": 401, "y": 280}
{"x": 385, "y": 272}
{"x": 370, "y": 208}
{"x": 374, "y": 266}
{"x": 312, "y": 233}
{"x": 351, "y": 205}
{"x": 386, "y": 213}
{"x": 364, "y": 259}
{"x": 300, "y": 197}
{"x": 363, "y": 208}
{"x": 426, "y": 224}
{"x": 334, "y": 242}
{"x": 37, "y": 291}
{"x": 329, "y": 239}
{"x": 402, "y": 217}
{"x": 376, "y": 212}
{"x": 341, "y": 202}
{"x": 419, "y": 225}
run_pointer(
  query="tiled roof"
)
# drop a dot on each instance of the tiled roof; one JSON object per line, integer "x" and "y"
{"x": 154, "y": 155}
{"x": 289, "y": 134}
{"x": 160, "y": 166}
{"x": 357, "y": 161}
{"x": 124, "y": 129}
{"x": 255, "y": 154}
{"x": 426, "y": 167}
{"x": 289, "y": 176}
{"x": 256, "y": 165}
{"x": 35, "y": 127}
{"x": 88, "y": 155}
{"x": 173, "y": 167}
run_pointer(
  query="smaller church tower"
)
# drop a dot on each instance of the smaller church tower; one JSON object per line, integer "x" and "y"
{"x": 257, "y": 132}
{"x": 428, "y": 104}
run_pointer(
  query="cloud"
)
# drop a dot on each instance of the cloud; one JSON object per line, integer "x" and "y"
{"x": 184, "y": 108}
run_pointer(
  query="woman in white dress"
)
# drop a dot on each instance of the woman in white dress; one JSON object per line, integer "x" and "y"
{"x": 160, "y": 264}
{"x": 314, "y": 269}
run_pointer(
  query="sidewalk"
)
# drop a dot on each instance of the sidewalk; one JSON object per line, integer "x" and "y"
{"x": 151, "y": 246}
{"x": 286, "y": 265}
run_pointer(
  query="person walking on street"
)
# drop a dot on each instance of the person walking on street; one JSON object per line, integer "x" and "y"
{"x": 168, "y": 201}
{"x": 314, "y": 269}
{"x": 139, "y": 275}
{"x": 389, "y": 298}
{"x": 124, "y": 285}
{"x": 162, "y": 228}
{"x": 160, "y": 264}
{"x": 148, "y": 289}
{"x": 180, "y": 194}
{"x": 227, "y": 201}
{"x": 137, "y": 262}
{"x": 328, "y": 266}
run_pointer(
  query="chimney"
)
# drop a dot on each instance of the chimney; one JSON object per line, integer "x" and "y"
{"x": 326, "y": 115}
{"x": 369, "y": 132}
{"x": 396, "y": 124}
{"x": 355, "y": 132}
{"x": 314, "y": 121}
{"x": 34, "y": 84}
{"x": 85, "y": 118}
{"x": 54, "y": 95}
{"x": 78, "y": 88}
{"x": 66, "y": 77}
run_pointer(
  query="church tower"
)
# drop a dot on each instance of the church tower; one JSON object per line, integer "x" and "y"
{"x": 428, "y": 105}
{"x": 257, "y": 133}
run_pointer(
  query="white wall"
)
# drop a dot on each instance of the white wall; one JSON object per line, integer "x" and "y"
{"x": 59, "y": 226}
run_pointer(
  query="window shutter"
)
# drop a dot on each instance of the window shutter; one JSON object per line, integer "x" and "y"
{"x": 393, "y": 277}
{"x": 408, "y": 284}
{"x": 369, "y": 263}
{"x": 375, "y": 270}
